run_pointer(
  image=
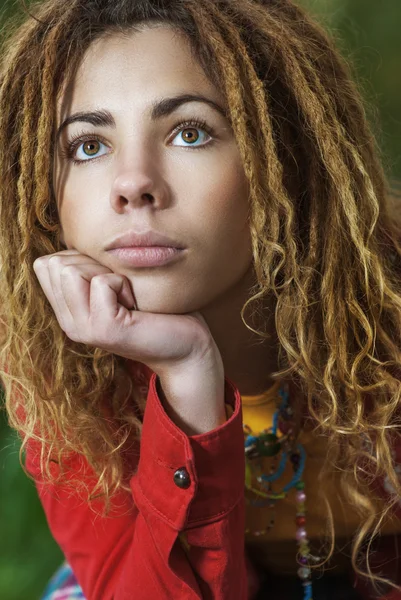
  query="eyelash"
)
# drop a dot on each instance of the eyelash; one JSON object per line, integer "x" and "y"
{"x": 73, "y": 144}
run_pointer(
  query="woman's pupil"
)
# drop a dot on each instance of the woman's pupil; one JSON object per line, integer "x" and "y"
{"x": 91, "y": 147}
{"x": 190, "y": 137}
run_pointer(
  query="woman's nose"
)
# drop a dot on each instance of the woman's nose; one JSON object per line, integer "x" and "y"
{"x": 132, "y": 189}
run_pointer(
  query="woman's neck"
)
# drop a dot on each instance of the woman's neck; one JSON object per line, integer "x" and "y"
{"x": 248, "y": 359}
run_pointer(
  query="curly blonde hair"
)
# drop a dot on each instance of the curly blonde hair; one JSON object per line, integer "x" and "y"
{"x": 325, "y": 236}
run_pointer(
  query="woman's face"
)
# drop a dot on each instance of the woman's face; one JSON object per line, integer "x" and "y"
{"x": 120, "y": 169}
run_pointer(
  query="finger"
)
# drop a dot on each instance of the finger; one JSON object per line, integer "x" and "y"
{"x": 65, "y": 258}
{"x": 59, "y": 262}
{"x": 126, "y": 296}
{"x": 42, "y": 273}
{"x": 53, "y": 271}
{"x": 66, "y": 279}
{"x": 78, "y": 275}
{"x": 72, "y": 287}
{"x": 109, "y": 294}
{"x": 71, "y": 252}
{"x": 68, "y": 252}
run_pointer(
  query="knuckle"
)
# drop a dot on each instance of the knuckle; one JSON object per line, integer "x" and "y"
{"x": 101, "y": 278}
{"x": 55, "y": 261}
{"x": 40, "y": 262}
{"x": 68, "y": 270}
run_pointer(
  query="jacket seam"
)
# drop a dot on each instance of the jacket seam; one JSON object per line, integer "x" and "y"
{"x": 213, "y": 518}
{"x": 210, "y": 518}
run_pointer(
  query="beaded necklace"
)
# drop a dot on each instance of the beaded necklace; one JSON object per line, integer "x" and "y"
{"x": 269, "y": 444}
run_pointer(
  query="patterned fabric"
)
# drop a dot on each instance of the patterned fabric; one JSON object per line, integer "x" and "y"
{"x": 63, "y": 586}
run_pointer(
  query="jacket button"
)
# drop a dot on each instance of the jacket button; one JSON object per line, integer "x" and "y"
{"x": 182, "y": 478}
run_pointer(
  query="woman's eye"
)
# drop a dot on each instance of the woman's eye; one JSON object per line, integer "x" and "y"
{"x": 190, "y": 136}
{"x": 90, "y": 149}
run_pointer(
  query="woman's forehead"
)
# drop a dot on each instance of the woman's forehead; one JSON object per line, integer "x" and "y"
{"x": 137, "y": 68}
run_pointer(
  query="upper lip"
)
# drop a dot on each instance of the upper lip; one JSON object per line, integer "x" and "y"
{"x": 146, "y": 238}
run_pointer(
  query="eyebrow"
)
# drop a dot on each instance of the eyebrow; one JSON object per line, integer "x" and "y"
{"x": 159, "y": 109}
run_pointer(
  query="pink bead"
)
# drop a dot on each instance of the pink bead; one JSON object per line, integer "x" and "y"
{"x": 301, "y": 534}
{"x": 300, "y": 496}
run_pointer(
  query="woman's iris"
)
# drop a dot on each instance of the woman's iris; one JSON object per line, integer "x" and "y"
{"x": 192, "y": 137}
{"x": 91, "y": 147}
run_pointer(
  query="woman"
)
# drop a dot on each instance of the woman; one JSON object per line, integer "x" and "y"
{"x": 200, "y": 279}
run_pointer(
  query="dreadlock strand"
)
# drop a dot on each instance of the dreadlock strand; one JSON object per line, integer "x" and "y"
{"x": 267, "y": 149}
{"x": 235, "y": 93}
{"x": 318, "y": 108}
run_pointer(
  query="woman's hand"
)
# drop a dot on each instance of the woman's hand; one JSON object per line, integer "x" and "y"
{"x": 95, "y": 306}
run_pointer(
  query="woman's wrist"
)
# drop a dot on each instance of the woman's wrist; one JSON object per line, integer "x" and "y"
{"x": 193, "y": 400}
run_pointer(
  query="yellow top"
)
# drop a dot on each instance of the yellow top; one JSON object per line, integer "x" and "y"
{"x": 276, "y": 549}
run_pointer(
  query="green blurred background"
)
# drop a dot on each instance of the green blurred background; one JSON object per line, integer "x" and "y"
{"x": 368, "y": 33}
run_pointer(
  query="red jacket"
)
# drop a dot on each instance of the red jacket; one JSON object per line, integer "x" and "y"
{"x": 191, "y": 484}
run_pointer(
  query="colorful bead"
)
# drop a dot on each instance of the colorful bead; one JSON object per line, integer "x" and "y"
{"x": 304, "y": 573}
{"x": 268, "y": 444}
{"x": 301, "y": 534}
{"x": 300, "y": 496}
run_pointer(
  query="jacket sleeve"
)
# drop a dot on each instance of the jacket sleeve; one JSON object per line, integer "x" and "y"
{"x": 179, "y": 534}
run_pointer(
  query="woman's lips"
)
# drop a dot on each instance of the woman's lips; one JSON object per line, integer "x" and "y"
{"x": 146, "y": 256}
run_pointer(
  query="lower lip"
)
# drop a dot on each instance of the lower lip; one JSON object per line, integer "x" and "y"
{"x": 150, "y": 256}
